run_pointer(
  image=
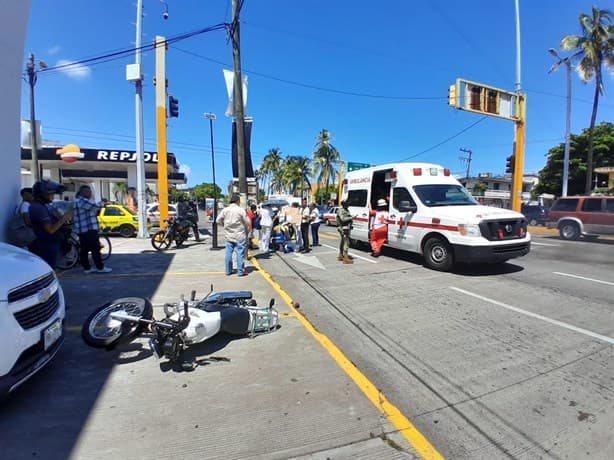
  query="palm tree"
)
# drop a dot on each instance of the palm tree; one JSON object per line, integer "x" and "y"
{"x": 593, "y": 48}
{"x": 270, "y": 164}
{"x": 297, "y": 171}
{"x": 326, "y": 156}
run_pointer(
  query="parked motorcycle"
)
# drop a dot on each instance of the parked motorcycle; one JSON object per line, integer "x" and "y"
{"x": 177, "y": 230}
{"x": 186, "y": 322}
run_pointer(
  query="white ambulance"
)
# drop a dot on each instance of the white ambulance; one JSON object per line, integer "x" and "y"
{"x": 431, "y": 213}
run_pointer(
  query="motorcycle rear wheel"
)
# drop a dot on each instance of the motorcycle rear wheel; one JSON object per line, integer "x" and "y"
{"x": 101, "y": 331}
{"x": 161, "y": 240}
{"x": 69, "y": 258}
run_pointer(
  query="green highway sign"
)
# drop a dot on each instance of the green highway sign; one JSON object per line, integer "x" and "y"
{"x": 355, "y": 166}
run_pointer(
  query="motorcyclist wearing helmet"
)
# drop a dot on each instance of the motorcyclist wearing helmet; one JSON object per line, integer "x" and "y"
{"x": 45, "y": 223}
{"x": 187, "y": 211}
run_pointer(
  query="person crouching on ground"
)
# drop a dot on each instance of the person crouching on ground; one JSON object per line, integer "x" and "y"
{"x": 379, "y": 227}
{"x": 86, "y": 226}
{"x": 236, "y": 229}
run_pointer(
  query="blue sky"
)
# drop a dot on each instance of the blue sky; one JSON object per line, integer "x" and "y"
{"x": 300, "y": 58}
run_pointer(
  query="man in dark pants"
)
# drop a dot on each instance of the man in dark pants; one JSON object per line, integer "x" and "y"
{"x": 86, "y": 226}
{"x": 187, "y": 210}
{"x": 305, "y": 223}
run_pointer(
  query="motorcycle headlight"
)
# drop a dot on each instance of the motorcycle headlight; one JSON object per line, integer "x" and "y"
{"x": 469, "y": 230}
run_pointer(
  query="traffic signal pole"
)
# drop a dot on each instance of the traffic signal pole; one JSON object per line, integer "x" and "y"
{"x": 160, "y": 46}
{"x": 518, "y": 172}
{"x": 238, "y": 103}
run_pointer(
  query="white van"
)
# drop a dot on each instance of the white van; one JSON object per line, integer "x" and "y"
{"x": 432, "y": 214}
{"x": 31, "y": 316}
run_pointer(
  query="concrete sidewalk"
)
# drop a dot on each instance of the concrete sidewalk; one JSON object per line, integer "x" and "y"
{"x": 279, "y": 395}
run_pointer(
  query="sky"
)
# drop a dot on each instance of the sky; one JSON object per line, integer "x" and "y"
{"x": 374, "y": 74}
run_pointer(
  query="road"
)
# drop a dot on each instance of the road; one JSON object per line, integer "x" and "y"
{"x": 508, "y": 361}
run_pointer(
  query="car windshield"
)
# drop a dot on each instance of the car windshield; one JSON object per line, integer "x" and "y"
{"x": 444, "y": 195}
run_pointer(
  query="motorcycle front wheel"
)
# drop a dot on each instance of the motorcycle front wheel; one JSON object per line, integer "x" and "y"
{"x": 100, "y": 330}
{"x": 161, "y": 240}
{"x": 69, "y": 258}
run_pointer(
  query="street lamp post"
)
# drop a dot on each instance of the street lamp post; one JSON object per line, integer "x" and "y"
{"x": 567, "y": 62}
{"x": 211, "y": 116}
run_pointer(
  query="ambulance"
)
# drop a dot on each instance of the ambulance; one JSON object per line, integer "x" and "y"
{"x": 432, "y": 214}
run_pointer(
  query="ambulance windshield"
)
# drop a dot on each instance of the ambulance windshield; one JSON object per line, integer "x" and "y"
{"x": 444, "y": 195}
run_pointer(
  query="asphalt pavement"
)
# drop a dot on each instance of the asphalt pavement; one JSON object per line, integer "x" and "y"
{"x": 287, "y": 394}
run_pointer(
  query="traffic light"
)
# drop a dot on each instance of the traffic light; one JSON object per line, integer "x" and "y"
{"x": 509, "y": 164}
{"x": 173, "y": 107}
{"x": 452, "y": 100}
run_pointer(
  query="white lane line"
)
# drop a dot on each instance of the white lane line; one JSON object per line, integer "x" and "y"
{"x": 584, "y": 278}
{"x": 533, "y": 243}
{"x": 555, "y": 322}
{"x": 356, "y": 256}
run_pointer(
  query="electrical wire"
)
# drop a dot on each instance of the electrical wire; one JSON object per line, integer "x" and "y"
{"x": 314, "y": 87}
{"x": 446, "y": 140}
{"x": 119, "y": 54}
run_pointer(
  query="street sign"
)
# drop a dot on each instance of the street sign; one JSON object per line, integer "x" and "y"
{"x": 355, "y": 166}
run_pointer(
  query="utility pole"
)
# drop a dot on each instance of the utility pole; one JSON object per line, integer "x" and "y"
{"x": 31, "y": 71}
{"x": 238, "y": 102}
{"x": 211, "y": 116}
{"x": 467, "y": 159}
{"x": 567, "y": 62}
{"x": 140, "y": 155}
{"x": 160, "y": 47}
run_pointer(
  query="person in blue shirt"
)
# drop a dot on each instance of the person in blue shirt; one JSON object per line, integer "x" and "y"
{"x": 86, "y": 226}
{"x": 44, "y": 223}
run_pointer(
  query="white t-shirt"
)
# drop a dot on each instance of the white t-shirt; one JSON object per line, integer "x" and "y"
{"x": 315, "y": 216}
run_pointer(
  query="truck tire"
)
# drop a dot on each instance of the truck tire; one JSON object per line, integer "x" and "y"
{"x": 438, "y": 254}
{"x": 569, "y": 230}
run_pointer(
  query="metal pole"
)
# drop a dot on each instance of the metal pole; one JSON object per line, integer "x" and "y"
{"x": 567, "y": 129}
{"x": 34, "y": 171}
{"x": 238, "y": 103}
{"x": 517, "y": 46}
{"x": 140, "y": 156}
{"x": 211, "y": 116}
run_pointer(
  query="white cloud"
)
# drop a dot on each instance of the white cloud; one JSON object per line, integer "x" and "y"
{"x": 54, "y": 50}
{"x": 76, "y": 71}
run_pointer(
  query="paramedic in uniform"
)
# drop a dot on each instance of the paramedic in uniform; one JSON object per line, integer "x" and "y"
{"x": 379, "y": 227}
{"x": 344, "y": 226}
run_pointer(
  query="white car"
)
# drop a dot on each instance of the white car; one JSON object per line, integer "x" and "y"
{"x": 153, "y": 213}
{"x": 32, "y": 312}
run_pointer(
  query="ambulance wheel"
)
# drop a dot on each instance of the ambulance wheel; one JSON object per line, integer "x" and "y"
{"x": 438, "y": 254}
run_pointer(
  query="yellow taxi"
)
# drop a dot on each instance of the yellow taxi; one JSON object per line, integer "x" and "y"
{"x": 116, "y": 218}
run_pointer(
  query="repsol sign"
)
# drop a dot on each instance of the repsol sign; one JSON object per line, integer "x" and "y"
{"x": 119, "y": 156}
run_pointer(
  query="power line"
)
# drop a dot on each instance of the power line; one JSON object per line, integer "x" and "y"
{"x": 318, "y": 88}
{"x": 446, "y": 140}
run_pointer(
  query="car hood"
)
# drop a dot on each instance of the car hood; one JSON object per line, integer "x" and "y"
{"x": 17, "y": 267}
{"x": 475, "y": 213}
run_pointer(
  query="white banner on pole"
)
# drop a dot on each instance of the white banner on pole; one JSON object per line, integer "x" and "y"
{"x": 229, "y": 77}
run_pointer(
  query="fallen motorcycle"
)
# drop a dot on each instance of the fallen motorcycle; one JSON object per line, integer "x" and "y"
{"x": 186, "y": 322}
{"x": 177, "y": 230}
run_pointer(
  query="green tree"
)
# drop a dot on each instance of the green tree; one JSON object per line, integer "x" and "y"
{"x": 551, "y": 176}
{"x": 326, "y": 157}
{"x": 270, "y": 164}
{"x": 206, "y": 190}
{"x": 593, "y": 49}
{"x": 296, "y": 173}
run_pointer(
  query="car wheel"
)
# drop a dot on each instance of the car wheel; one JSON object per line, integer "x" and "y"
{"x": 327, "y": 222}
{"x": 438, "y": 254}
{"x": 569, "y": 230}
{"x": 127, "y": 231}
{"x": 533, "y": 222}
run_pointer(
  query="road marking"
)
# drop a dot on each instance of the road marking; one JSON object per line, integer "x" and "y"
{"x": 584, "y": 278}
{"x": 533, "y": 243}
{"x": 309, "y": 260}
{"x": 356, "y": 256}
{"x": 555, "y": 322}
{"x": 419, "y": 442}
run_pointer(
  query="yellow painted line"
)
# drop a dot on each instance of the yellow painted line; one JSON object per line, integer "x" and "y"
{"x": 419, "y": 442}
{"x": 132, "y": 275}
{"x": 328, "y": 237}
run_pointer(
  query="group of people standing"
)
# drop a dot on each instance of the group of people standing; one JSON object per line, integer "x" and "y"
{"x": 50, "y": 228}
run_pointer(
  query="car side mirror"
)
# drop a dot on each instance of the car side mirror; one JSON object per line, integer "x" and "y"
{"x": 405, "y": 206}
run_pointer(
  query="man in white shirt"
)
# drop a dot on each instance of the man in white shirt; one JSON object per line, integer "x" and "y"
{"x": 236, "y": 228}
